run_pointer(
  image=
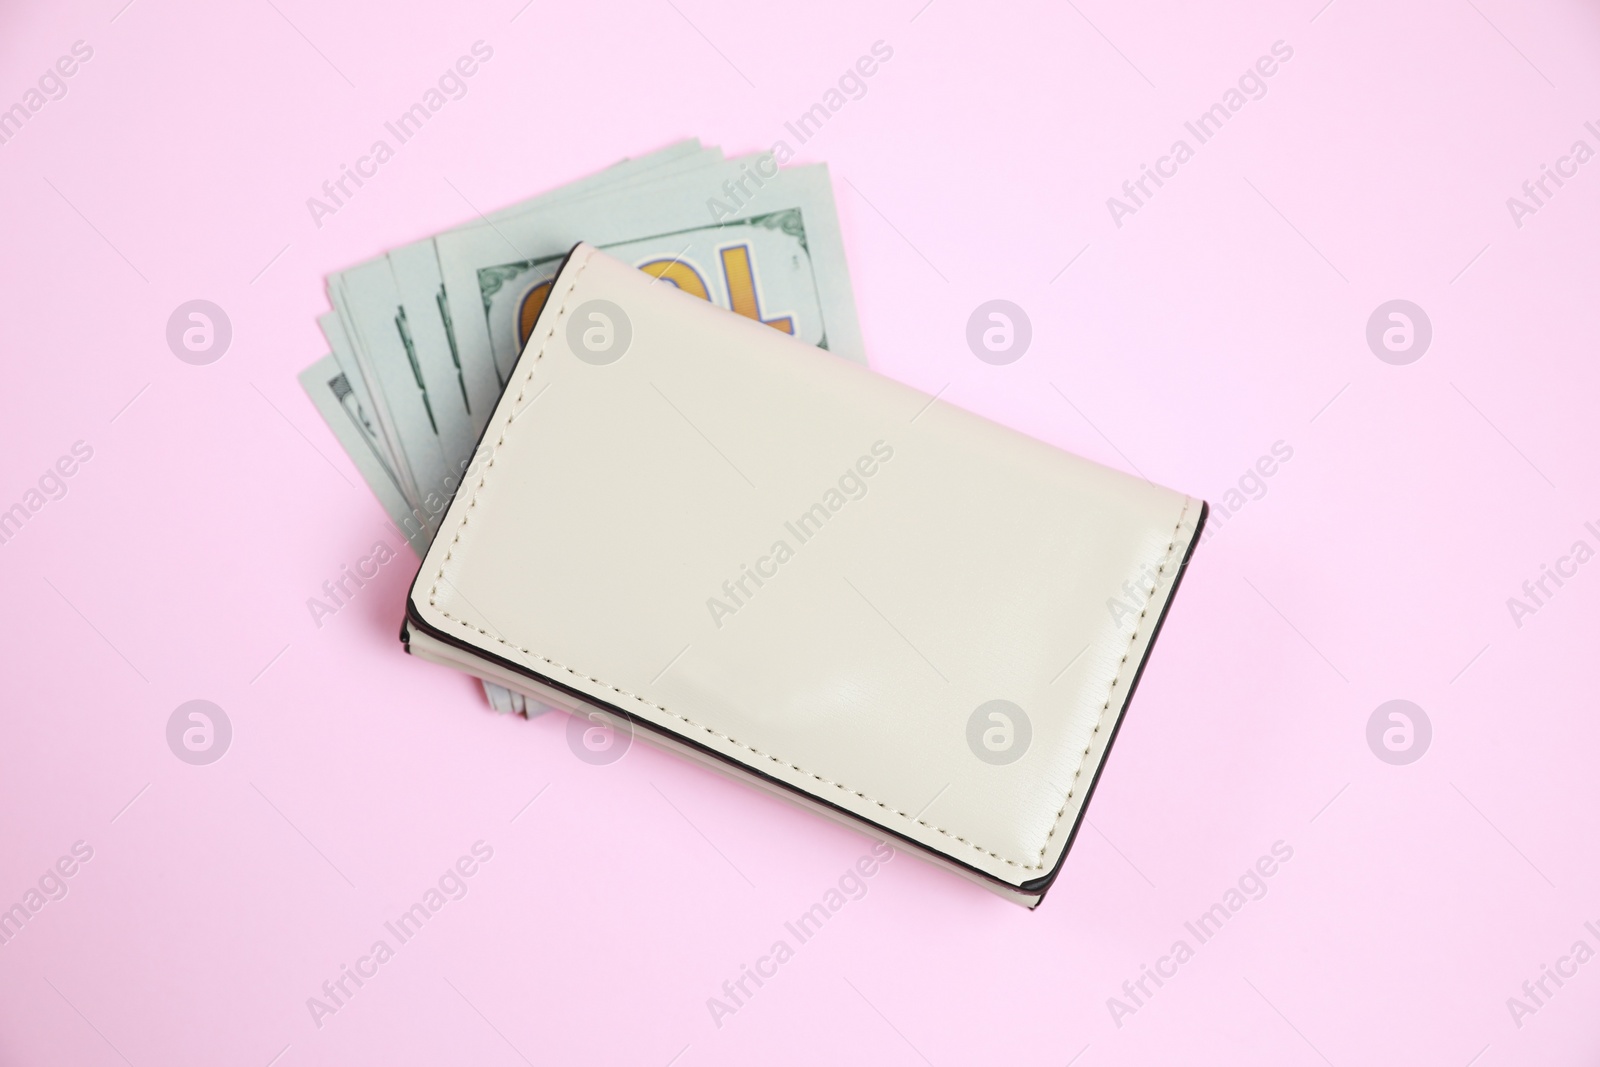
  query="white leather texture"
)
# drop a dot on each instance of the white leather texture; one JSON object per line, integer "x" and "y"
{"x": 618, "y": 505}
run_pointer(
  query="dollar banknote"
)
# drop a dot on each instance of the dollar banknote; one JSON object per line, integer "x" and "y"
{"x": 779, "y": 260}
{"x": 326, "y": 383}
{"x": 424, "y": 337}
{"x": 390, "y": 333}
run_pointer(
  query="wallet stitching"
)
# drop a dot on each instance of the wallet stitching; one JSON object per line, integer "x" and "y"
{"x": 1112, "y": 692}
{"x": 433, "y": 602}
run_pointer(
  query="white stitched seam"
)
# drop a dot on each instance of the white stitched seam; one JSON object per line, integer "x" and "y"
{"x": 473, "y": 503}
{"x": 1100, "y": 721}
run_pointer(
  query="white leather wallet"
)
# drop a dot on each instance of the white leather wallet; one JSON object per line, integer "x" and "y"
{"x": 831, "y": 585}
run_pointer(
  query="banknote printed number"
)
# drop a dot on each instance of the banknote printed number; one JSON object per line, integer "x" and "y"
{"x": 738, "y": 274}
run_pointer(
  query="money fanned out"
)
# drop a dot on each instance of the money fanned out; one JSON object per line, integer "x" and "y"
{"x": 423, "y": 339}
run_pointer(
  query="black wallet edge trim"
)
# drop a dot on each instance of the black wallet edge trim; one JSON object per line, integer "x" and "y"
{"x": 1036, "y": 887}
{"x": 1044, "y": 882}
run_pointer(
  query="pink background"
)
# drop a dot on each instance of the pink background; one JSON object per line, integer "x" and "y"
{"x": 1228, "y": 314}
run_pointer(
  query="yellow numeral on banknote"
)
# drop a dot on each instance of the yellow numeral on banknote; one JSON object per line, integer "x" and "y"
{"x": 737, "y": 269}
{"x": 741, "y": 277}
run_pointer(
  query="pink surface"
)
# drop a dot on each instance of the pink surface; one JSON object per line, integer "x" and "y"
{"x": 1228, "y": 313}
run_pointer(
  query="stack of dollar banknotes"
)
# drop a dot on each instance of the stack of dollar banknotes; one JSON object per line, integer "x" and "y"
{"x": 424, "y": 338}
